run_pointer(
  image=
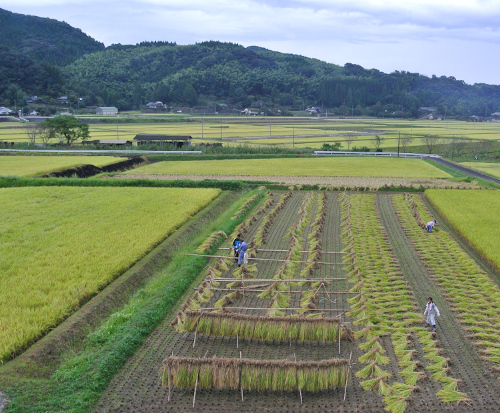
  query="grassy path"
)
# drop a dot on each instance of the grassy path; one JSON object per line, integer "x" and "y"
{"x": 477, "y": 381}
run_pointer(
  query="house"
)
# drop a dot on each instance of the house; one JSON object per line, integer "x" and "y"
{"x": 176, "y": 140}
{"x": 155, "y": 105}
{"x": 106, "y": 110}
{"x": 427, "y": 109}
{"x": 5, "y": 111}
{"x": 314, "y": 110}
{"x": 32, "y": 99}
{"x": 63, "y": 99}
{"x": 249, "y": 112}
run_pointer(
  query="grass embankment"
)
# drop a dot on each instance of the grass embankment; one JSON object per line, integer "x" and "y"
{"x": 88, "y": 365}
{"x": 475, "y": 215}
{"x": 60, "y": 246}
{"x": 379, "y": 167}
{"x": 26, "y": 166}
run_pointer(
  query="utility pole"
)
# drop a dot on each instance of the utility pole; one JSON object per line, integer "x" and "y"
{"x": 293, "y": 135}
{"x": 270, "y": 129}
{"x": 399, "y": 138}
{"x": 201, "y": 128}
{"x": 221, "y": 130}
{"x": 117, "y": 134}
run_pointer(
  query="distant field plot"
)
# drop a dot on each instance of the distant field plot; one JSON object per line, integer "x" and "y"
{"x": 486, "y": 167}
{"x": 60, "y": 245}
{"x": 379, "y": 167}
{"x": 308, "y": 132}
{"x": 37, "y": 165}
{"x": 475, "y": 214}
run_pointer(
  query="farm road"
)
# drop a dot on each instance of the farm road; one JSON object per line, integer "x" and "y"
{"x": 477, "y": 381}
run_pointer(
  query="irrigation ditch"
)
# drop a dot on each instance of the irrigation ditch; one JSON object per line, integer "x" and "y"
{"x": 360, "y": 264}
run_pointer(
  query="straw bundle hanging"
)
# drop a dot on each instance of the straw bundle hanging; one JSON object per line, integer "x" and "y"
{"x": 262, "y": 328}
{"x": 225, "y": 373}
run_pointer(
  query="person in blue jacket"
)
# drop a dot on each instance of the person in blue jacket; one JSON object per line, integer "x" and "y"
{"x": 236, "y": 245}
{"x": 242, "y": 249}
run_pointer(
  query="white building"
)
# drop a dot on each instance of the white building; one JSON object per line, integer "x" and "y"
{"x": 106, "y": 111}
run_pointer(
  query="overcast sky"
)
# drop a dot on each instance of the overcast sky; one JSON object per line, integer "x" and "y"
{"x": 459, "y": 38}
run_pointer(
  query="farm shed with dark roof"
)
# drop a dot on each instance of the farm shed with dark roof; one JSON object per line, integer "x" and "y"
{"x": 177, "y": 140}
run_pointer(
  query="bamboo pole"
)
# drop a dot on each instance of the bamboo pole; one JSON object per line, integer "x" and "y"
{"x": 253, "y": 290}
{"x": 266, "y": 308}
{"x": 307, "y": 280}
{"x": 195, "y": 387}
{"x": 268, "y": 250}
{"x": 268, "y": 259}
{"x": 347, "y": 378}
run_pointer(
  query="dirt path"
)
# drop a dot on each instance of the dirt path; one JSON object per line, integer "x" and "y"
{"x": 477, "y": 380}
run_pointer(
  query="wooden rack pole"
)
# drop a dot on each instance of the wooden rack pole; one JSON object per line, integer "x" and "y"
{"x": 261, "y": 291}
{"x": 266, "y": 259}
{"x": 267, "y": 250}
{"x": 266, "y": 308}
{"x": 247, "y": 280}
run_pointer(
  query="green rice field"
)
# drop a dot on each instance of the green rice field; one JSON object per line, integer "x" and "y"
{"x": 375, "y": 167}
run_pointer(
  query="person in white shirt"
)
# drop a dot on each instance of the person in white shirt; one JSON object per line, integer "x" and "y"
{"x": 431, "y": 310}
{"x": 430, "y": 225}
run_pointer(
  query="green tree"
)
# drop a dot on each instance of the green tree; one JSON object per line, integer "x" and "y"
{"x": 66, "y": 128}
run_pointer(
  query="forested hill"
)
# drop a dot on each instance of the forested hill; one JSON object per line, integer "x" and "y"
{"x": 44, "y": 57}
{"x": 44, "y": 39}
{"x": 208, "y": 72}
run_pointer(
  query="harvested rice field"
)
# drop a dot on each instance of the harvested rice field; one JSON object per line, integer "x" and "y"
{"x": 326, "y": 316}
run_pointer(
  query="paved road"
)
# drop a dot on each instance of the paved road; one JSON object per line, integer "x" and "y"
{"x": 466, "y": 171}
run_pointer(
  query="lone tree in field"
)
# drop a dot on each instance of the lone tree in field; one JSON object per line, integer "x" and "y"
{"x": 405, "y": 140}
{"x": 349, "y": 140}
{"x": 67, "y": 128}
{"x": 430, "y": 142}
{"x": 377, "y": 141}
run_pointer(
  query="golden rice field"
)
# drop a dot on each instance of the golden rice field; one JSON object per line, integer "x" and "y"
{"x": 475, "y": 214}
{"x": 26, "y": 166}
{"x": 63, "y": 244}
{"x": 321, "y": 166}
{"x": 486, "y": 167}
{"x": 279, "y": 131}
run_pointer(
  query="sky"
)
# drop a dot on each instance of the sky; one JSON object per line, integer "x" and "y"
{"x": 459, "y": 38}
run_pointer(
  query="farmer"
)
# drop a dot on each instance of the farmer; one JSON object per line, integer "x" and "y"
{"x": 431, "y": 310}
{"x": 430, "y": 225}
{"x": 236, "y": 245}
{"x": 242, "y": 249}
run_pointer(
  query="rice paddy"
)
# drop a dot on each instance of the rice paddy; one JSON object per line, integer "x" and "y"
{"x": 61, "y": 245}
{"x": 297, "y": 131}
{"x": 336, "y": 263}
{"x": 475, "y": 215}
{"x": 26, "y": 166}
{"x": 360, "y": 167}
